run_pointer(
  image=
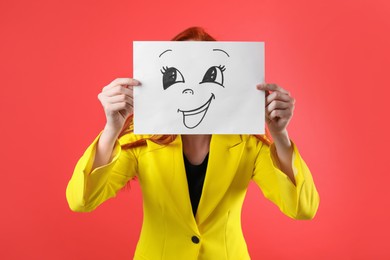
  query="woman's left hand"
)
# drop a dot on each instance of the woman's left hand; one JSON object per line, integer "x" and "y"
{"x": 279, "y": 107}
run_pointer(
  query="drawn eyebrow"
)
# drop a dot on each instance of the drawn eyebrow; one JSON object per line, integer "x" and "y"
{"x": 222, "y": 51}
{"x": 164, "y": 52}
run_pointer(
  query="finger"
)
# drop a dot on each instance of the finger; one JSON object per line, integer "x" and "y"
{"x": 280, "y": 114}
{"x": 279, "y": 96}
{"x": 265, "y": 91}
{"x": 118, "y": 90}
{"x": 116, "y": 107}
{"x": 126, "y": 81}
{"x": 274, "y": 105}
{"x": 107, "y": 101}
{"x": 272, "y": 87}
{"x": 119, "y": 99}
{"x": 122, "y": 108}
{"x": 123, "y": 82}
{"x": 125, "y": 113}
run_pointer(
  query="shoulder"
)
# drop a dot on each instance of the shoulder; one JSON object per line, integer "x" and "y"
{"x": 256, "y": 140}
{"x": 129, "y": 138}
{"x": 251, "y": 143}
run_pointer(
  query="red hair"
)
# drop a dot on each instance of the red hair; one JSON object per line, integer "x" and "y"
{"x": 195, "y": 34}
{"x": 192, "y": 33}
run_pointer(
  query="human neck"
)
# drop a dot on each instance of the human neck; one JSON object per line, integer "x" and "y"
{"x": 196, "y": 147}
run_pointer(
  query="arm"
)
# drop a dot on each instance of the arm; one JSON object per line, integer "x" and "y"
{"x": 117, "y": 101}
{"x": 279, "y": 107}
{"x": 284, "y": 154}
{"x": 88, "y": 188}
{"x": 105, "y": 168}
{"x": 299, "y": 200}
{"x": 298, "y": 197}
{"x": 105, "y": 147}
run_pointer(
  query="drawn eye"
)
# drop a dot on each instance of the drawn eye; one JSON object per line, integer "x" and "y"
{"x": 171, "y": 76}
{"x": 214, "y": 75}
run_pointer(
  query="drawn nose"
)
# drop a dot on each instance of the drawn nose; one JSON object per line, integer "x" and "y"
{"x": 188, "y": 91}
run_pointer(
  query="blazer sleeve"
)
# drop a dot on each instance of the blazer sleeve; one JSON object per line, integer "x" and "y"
{"x": 298, "y": 201}
{"x": 88, "y": 189}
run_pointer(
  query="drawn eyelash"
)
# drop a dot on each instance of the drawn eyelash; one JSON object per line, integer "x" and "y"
{"x": 164, "y": 69}
{"x": 222, "y": 67}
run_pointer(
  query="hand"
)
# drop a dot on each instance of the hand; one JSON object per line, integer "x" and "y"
{"x": 279, "y": 107}
{"x": 117, "y": 101}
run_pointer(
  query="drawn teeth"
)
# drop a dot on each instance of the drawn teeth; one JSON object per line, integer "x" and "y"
{"x": 194, "y": 113}
{"x": 192, "y": 118}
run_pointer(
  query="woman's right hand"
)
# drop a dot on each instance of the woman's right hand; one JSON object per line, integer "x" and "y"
{"x": 117, "y": 101}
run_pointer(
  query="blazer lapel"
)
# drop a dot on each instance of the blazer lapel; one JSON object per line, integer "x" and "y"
{"x": 175, "y": 181}
{"x": 224, "y": 157}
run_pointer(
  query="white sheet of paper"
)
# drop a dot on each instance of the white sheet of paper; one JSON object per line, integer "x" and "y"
{"x": 195, "y": 87}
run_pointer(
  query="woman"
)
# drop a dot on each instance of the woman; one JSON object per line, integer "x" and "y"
{"x": 193, "y": 186}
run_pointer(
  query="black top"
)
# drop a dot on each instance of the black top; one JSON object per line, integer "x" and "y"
{"x": 195, "y": 179}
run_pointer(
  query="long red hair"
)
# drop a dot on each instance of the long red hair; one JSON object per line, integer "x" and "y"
{"x": 195, "y": 34}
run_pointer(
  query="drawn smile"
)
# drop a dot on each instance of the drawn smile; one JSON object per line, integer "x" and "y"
{"x": 192, "y": 118}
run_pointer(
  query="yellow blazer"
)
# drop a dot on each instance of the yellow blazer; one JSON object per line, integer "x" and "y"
{"x": 169, "y": 230}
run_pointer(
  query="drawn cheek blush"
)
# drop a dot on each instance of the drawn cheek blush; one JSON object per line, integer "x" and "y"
{"x": 192, "y": 118}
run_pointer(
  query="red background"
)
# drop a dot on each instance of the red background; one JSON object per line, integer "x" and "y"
{"x": 55, "y": 56}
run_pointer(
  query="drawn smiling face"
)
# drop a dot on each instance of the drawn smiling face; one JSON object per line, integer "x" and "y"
{"x": 172, "y": 76}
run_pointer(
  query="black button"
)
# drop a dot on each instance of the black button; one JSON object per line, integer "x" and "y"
{"x": 195, "y": 239}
